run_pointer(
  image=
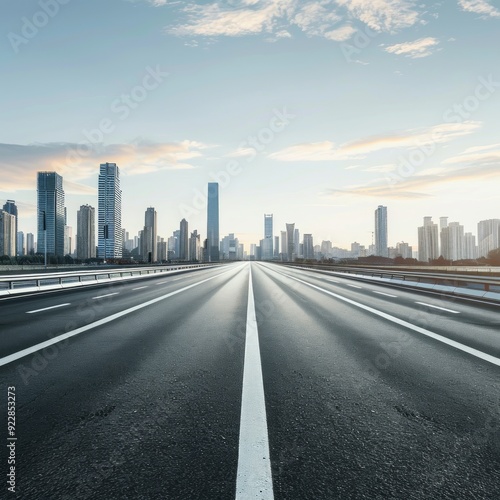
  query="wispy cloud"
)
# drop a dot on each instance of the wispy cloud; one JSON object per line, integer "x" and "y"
{"x": 422, "y": 47}
{"x": 19, "y": 163}
{"x": 382, "y": 15}
{"x": 328, "y": 151}
{"x": 479, "y": 7}
{"x": 479, "y": 167}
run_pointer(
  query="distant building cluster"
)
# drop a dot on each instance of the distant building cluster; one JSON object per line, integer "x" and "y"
{"x": 100, "y": 236}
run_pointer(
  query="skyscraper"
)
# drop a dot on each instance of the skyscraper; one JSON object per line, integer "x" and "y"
{"x": 85, "y": 232}
{"x": 290, "y": 228}
{"x": 110, "y": 212}
{"x": 184, "y": 241}
{"x": 11, "y": 208}
{"x": 149, "y": 236}
{"x": 30, "y": 244}
{"x": 296, "y": 243}
{"x": 428, "y": 246}
{"x": 381, "y": 246}
{"x": 308, "y": 246}
{"x": 284, "y": 246}
{"x": 213, "y": 222}
{"x": 267, "y": 244}
{"x": 50, "y": 213}
{"x": 20, "y": 243}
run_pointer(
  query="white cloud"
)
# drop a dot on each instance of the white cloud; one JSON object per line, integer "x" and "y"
{"x": 340, "y": 34}
{"x": 275, "y": 17}
{"x": 382, "y": 15}
{"x": 217, "y": 20}
{"x": 410, "y": 139}
{"x": 78, "y": 162}
{"x": 479, "y": 7}
{"x": 422, "y": 47}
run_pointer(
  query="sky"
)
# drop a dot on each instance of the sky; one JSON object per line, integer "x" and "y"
{"x": 315, "y": 112}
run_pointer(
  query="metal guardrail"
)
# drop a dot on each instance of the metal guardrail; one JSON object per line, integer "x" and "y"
{"x": 478, "y": 286}
{"x": 35, "y": 282}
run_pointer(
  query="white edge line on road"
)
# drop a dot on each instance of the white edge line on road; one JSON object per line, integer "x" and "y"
{"x": 37, "y": 347}
{"x": 386, "y": 294}
{"x": 139, "y": 288}
{"x": 47, "y": 308}
{"x": 437, "y": 307}
{"x": 107, "y": 295}
{"x": 254, "y": 478}
{"x": 457, "y": 345}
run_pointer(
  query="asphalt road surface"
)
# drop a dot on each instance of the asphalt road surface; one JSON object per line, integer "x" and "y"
{"x": 249, "y": 381}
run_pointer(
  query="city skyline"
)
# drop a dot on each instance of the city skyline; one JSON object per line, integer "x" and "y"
{"x": 448, "y": 240}
{"x": 315, "y": 112}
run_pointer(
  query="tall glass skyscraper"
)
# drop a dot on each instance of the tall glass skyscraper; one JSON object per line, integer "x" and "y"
{"x": 381, "y": 246}
{"x": 110, "y": 212}
{"x": 213, "y": 222}
{"x": 50, "y": 213}
{"x": 267, "y": 245}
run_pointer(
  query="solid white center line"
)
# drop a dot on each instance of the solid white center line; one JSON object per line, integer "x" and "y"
{"x": 107, "y": 295}
{"x": 139, "y": 288}
{"x": 254, "y": 479}
{"x": 354, "y": 286}
{"x": 47, "y": 308}
{"x": 42, "y": 345}
{"x": 386, "y": 294}
{"x": 437, "y": 307}
{"x": 440, "y": 338}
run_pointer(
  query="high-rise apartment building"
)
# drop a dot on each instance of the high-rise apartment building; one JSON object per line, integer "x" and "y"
{"x": 381, "y": 245}
{"x": 109, "y": 212}
{"x": 428, "y": 236}
{"x": 470, "y": 248}
{"x": 404, "y": 250}
{"x": 51, "y": 220}
{"x": 85, "y": 233}
{"x": 488, "y": 236}
{"x": 213, "y": 222}
{"x": 11, "y": 208}
{"x": 7, "y": 234}
{"x": 452, "y": 241}
{"x": 195, "y": 249}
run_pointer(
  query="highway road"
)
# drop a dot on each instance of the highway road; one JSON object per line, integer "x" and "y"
{"x": 250, "y": 381}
